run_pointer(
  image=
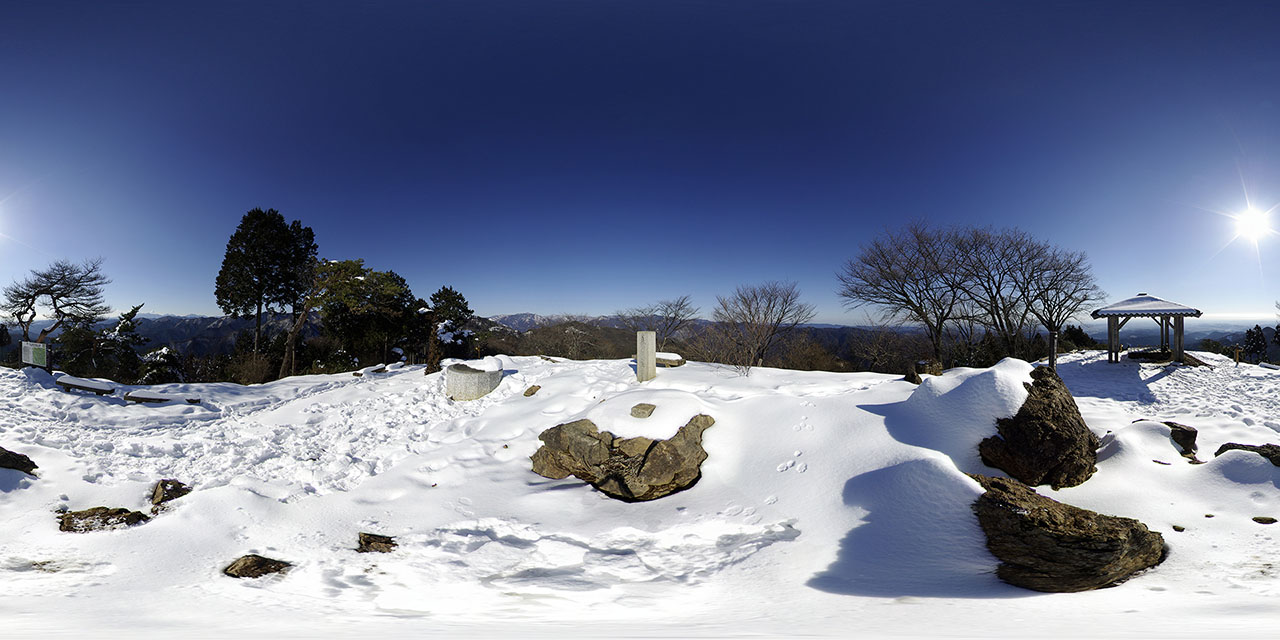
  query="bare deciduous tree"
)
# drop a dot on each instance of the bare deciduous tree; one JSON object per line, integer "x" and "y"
{"x": 995, "y": 269}
{"x": 911, "y": 275}
{"x": 666, "y": 318}
{"x": 749, "y": 322}
{"x": 1061, "y": 286}
{"x": 72, "y": 293}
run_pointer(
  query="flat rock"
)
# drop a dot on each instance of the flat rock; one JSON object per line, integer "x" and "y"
{"x": 1044, "y": 545}
{"x": 532, "y": 390}
{"x": 255, "y": 566}
{"x": 1269, "y": 451}
{"x": 16, "y": 461}
{"x": 100, "y": 519}
{"x": 628, "y": 469}
{"x": 1047, "y": 441}
{"x": 642, "y": 410}
{"x": 374, "y": 543}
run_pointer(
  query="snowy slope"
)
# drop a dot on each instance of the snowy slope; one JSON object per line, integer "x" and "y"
{"x": 830, "y": 504}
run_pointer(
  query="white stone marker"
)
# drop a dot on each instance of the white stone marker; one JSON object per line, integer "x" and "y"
{"x": 646, "y": 355}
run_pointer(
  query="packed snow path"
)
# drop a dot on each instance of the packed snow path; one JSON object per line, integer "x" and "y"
{"x": 828, "y": 502}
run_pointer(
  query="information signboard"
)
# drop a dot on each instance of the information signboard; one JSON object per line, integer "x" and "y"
{"x": 35, "y": 353}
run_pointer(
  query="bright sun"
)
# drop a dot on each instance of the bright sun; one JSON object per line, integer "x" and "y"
{"x": 1253, "y": 224}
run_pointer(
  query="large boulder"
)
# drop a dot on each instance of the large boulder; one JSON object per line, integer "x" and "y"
{"x": 1269, "y": 451}
{"x": 1045, "y": 545}
{"x": 1046, "y": 442}
{"x": 100, "y": 519}
{"x": 629, "y": 469}
{"x": 16, "y": 461}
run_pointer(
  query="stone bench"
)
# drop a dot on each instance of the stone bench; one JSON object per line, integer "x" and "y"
{"x": 69, "y": 383}
{"x": 462, "y": 382}
{"x": 140, "y": 396}
{"x": 668, "y": 359}
{"x": 377, "y": 368}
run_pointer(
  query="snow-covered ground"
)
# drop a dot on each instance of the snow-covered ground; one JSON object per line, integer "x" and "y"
{"x": 830, "y": 504}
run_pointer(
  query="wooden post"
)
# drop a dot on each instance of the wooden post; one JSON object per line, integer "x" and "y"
{"x": 1177, "y": 339}
{"x": 1113, "y": 339}
{"x": 646, "y": 355}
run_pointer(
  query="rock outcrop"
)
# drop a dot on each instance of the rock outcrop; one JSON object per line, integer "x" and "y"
{"x": 166, "y": 490}
{"x": 628, "y": 469}
{"x": 374, "y": 543}
{"x": 1184, "y": 437}
{"x": 1046, "y": 442}
{"x": 1045, "y": 545}
{"x": 16, "y": 461}
{"x": 1268, "y": 451}
{"x": 255, "y": 566}
{"x": 99, "y": 519}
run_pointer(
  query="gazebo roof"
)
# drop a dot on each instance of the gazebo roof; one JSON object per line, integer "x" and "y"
{"x": 1145, "y": 306}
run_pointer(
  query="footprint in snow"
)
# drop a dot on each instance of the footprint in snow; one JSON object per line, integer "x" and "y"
{"x": 786, "y": 465}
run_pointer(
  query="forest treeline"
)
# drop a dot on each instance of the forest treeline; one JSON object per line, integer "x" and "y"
{"x": 963, "y": 296}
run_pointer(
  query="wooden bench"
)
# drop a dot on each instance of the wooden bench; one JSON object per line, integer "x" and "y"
{"x": 377, "y": 368}
{"x": 69, "y": 383}
{"x": 142, "y": 395}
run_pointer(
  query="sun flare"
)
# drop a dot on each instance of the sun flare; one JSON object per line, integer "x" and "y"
{"x": 1253, "y": 224}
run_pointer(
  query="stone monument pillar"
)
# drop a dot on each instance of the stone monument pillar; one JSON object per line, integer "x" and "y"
{"x": 646, "y": 355}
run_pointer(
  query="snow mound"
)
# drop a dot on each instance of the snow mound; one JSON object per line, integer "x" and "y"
{"x": 953, "y": 412}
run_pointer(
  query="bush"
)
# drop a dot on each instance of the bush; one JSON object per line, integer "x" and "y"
{"x": 249, "y": 368}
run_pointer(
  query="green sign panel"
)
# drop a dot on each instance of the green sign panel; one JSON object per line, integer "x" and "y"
{"x": 35, "y": 353}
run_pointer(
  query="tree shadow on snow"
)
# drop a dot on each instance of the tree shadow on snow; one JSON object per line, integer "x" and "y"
{"x": 919, "y": 538}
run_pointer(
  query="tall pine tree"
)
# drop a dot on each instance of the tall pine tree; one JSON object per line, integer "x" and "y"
{"x": 451, "y": 313}
{"x": 267, "y": 266}
{"x": 1255, "y": 343}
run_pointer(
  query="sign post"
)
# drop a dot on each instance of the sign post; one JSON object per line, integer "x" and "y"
{"x": 35, "y": 354}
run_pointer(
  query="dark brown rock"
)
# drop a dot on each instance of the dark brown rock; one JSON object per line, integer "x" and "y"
{"x": 1044, "y": 545}
{"x": 372, "y": 542}
{"x": 642, "y": 410}
{"x": 1184, "y": 437}
{"x": 1046, "y": 442}
{"x": 1268, "y": 451}
{"x": 166, "y": 490}
{"x": 532, "y": 390}
{"x": 99, "y": 519}
{"x": 1264, "y": 520}
{"x": 628, "y": 469}
{"x": 16, "y": 461}
{"x": 912, "y": 376}
{"x": 255, "y": 566}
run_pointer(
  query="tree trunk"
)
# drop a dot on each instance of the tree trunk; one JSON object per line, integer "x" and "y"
{"x": 257, "y": 328}
{"x": 1053, "y": 350}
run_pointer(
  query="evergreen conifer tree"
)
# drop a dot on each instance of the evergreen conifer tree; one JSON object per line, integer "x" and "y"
{"x": 266, "y": 266}
{"x": 1255, "y": 343}
{"x": 451, "y": 314}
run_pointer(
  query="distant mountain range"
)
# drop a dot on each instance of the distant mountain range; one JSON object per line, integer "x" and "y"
{"x": 203, "y": 335}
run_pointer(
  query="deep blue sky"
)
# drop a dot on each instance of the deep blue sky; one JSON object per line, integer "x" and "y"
{"x": 583, "y": 156}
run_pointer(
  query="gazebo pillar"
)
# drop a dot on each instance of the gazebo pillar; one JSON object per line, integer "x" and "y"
{"x": 1177, "y": 338}
{"x": 1113, "y": 339}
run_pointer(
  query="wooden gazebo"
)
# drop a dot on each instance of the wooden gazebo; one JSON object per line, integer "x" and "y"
{"x": 1167, "y": 314}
